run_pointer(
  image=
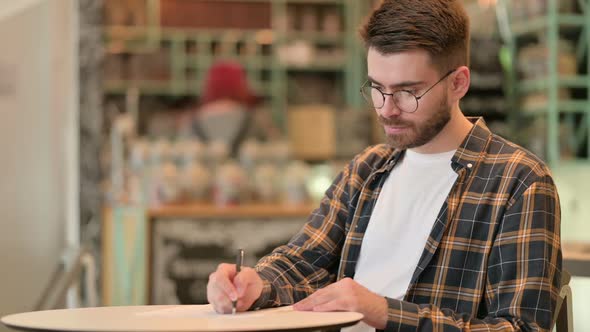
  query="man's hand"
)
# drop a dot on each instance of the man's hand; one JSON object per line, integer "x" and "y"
{"x": 225, "y": 286}
{"x": 348, "y": 295}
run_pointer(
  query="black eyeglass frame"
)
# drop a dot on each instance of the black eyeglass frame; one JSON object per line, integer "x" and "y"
{"x": 369, "y": 99}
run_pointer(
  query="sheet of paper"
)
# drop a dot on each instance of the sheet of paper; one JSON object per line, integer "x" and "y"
{"x": 200, "y": 311}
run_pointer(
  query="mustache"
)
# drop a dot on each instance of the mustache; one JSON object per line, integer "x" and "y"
{"x": 394, "y": 122}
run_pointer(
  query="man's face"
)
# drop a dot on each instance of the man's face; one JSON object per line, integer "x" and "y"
{"x": 411, "y": 71}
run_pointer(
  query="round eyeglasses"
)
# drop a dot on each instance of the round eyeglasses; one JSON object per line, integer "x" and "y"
{"x": 404, "y": 100}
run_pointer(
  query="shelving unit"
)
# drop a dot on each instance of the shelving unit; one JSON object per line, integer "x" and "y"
{"x": 486, "y": 95}
{"x": 567, "y": 118}
{"x": 183, "y": 54}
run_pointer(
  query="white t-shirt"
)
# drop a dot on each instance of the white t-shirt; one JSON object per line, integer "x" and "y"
{"x": 400, "y": 224}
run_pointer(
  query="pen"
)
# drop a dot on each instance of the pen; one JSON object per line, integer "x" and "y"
{"x": 239, "y": 262}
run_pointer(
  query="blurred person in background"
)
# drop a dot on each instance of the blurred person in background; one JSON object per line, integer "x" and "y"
{"x": 447, "y": 227}
{"x": 228, "y": 110}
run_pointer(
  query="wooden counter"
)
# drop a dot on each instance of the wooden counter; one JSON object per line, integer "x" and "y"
{"x": 130, "y": 233}
{"x": 188, "y": 241}
{"x": 237, "y": 211}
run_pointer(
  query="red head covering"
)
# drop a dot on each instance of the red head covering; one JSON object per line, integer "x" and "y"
{"x": 227, "y": 80}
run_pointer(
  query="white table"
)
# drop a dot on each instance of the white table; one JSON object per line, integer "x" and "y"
{"x": 177, "y": 318}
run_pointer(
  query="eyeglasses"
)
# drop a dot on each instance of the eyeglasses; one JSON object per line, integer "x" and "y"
{"x": 404, "y": 100}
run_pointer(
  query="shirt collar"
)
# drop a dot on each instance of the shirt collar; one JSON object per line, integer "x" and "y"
{"x": 469, "y": 152}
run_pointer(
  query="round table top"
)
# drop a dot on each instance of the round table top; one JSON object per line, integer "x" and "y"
{"x": 177, "y": 318}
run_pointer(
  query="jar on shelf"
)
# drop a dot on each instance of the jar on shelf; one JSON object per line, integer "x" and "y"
{"x": 266, "y": 186}
{"x": 195, "y": 182}
{"x": 294, "y": 183}
{"x": 167, "y": 184}
{"x": 231, "y": 184}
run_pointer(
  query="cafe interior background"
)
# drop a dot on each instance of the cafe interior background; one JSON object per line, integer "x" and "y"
{"x": 124, "y": 180}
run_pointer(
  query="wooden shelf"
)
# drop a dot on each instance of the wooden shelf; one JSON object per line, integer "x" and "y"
{"x": 542, "y": 84}
{"x": 541, "y": 23}
{"x": 238, "y": 211}
{"x": 563, "y": 106}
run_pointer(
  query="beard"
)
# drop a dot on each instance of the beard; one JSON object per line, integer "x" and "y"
{"x": 418, "y": 134}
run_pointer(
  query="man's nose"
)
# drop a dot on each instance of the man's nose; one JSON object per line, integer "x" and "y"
{"x": 389, "y": 108}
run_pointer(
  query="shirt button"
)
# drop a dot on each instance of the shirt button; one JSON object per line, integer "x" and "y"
{"x": 470, "y": 165}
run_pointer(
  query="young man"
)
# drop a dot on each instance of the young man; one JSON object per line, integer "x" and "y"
{"x": 447, "y": 227}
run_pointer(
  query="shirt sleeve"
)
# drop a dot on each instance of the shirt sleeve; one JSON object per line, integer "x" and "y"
{"x": 310, "y": 260}
{"x": 523, "y": 279}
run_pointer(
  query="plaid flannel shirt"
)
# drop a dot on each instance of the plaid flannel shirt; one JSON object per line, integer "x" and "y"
{"x": 492, "y": 261}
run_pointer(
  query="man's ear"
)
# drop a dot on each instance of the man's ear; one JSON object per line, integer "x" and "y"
{"x": 460, "y": 81}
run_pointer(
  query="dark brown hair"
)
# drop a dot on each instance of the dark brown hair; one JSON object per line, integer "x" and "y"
{"x": 440, "y": 27}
